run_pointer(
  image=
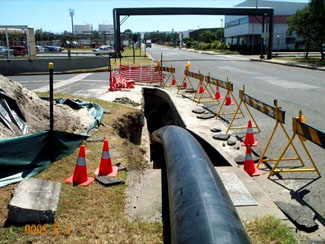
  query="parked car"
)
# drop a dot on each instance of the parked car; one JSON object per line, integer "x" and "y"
{"x": 40, "y": 49}
{"x": 3, "y": 50}
{"x": 104, "y": 49}
{"x": 19, "y": 50}
{"x": 55, "y": 48}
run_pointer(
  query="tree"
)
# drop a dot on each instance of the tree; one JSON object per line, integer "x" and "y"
{"x": 127, "y": 32}
{"x": 220, "y": 34}
{"x": 308, "y": 24}
{"x": 317, "y": 10}
{"x": 301, "y": 24}
{"x": 207, "y": 36}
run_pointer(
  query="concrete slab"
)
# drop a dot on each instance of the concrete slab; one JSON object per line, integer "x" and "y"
{"x": 265, "y": 204}
{"x": 34, "y": 201}
{"x": 109, "y": 181}
{"x": 144, "y": 199}
{"x": 237, "y": 191}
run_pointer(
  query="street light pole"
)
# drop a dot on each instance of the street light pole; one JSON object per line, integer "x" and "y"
{"x": 71, "y": 14}
{"x": 278, "y": 42}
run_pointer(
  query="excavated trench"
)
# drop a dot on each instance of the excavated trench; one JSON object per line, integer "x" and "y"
{"x": 160, "y": 111}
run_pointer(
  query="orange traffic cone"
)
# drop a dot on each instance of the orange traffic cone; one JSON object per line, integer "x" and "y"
{"x": 228, "y": 100}
{"x": 80, "y": 176}
{"x": 249, "y": 139}
{"x": 217, "y": 95}
{"x": 249, "y": 165}
{"x": 201, "y": 89}
{"x": 173, "y": 82}
{"x": 106, "y": 167}
{"x": 184, "y": 84}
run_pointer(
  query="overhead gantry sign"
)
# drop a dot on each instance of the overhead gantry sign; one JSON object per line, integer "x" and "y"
{"x": 265, "y": 12}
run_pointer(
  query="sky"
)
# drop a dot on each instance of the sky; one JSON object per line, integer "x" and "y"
{"x": 53, "y": 15}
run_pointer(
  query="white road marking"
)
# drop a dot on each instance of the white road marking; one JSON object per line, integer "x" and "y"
{"x": 56, "y": 85}
{"x": 237, "y": 70}
{"x": 285, "y": 83}
{"x": 232, "y": 57}
{"x": 34, "y": 81}
{"x": 97, "y": 80}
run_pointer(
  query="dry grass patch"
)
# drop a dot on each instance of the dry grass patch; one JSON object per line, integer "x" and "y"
{"x": 94, "y": 214}
{"x": 269, "y": 230}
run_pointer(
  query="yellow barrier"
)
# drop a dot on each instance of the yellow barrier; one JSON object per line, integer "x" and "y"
{"x": 206, "y": 89}
{"x": 279, "y": 116}
{"x": 229, "y": 87}
{"x": 171, "y": 70}
{"x": 184, "y": 85}
{"x": 246, "y": 99}
{"x": 304, "y": 131}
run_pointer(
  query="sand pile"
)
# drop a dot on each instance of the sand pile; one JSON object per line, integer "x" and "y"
{"x": 37, "y": 113}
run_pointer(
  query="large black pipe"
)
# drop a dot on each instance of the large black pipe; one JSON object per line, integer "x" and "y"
{"x": 201, "y": 210}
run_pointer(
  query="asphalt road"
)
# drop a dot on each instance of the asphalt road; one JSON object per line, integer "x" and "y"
{"x": 294, "y": 88}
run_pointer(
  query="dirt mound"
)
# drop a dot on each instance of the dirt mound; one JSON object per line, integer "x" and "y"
{"x": 126, "y": 100}
{"x": 37, "y": 113}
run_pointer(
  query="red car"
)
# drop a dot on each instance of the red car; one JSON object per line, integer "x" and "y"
{"x": 19, "y": 50}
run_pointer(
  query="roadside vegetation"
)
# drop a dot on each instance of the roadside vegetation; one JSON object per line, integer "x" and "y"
{"x": 269, "y": 230}
{"x": 313, "y": 61}
{"x": 128, "y": 58}
{"x": 211, "y": 41}
{"x": 308, "y": 23}
{"x": 93, "y": 214}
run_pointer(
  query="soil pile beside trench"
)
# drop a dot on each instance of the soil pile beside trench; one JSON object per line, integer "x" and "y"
{"x": 37, "y": 112}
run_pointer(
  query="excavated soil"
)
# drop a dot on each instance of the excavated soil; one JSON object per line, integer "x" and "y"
{"x": 37, "y": 113}
{"x": 127, "y": 101}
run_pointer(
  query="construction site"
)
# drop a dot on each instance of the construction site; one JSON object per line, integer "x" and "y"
{"x": 165, "y": 145}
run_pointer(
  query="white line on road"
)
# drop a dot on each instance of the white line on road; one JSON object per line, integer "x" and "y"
{"x": 237, "y": 70}
{"x": 35, "y": 81}
{"x": 63, "y": 83}
{"x": 285, "y": 83}
{"x": 96, "y": 80}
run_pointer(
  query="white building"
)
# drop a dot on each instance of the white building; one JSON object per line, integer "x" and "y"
{"x": 81, "y": 29}
{"x": 246, "y": 30}
{"x": 106, "y": 28}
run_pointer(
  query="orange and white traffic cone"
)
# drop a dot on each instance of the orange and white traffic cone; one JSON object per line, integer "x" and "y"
{"x": 184, "y": 84}
{"x": 249, "y": 139}
{"x": 106, "y": 167}
{"x": 173, "y": 82}
{"x": 80, "y": 176}
{"x": 228, "y": 100}
{"x": 217, "y": 95}
{"x": 249, "y": 165}
{"x": 201, "y": 89}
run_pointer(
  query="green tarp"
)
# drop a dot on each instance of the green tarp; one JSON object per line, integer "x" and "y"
{"x": 25, "y": 156}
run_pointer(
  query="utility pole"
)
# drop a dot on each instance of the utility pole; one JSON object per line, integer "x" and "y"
{"x": 71, "y": 14}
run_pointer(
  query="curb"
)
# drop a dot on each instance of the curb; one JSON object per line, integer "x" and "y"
{"x": 288, "y": 64}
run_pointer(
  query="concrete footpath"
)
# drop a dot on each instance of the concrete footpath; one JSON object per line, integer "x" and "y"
{"x": 262, "y": 191}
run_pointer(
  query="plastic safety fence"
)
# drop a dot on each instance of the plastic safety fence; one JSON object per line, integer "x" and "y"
{"x": 141, "y": 74}
{"x": 25, "y": 156}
